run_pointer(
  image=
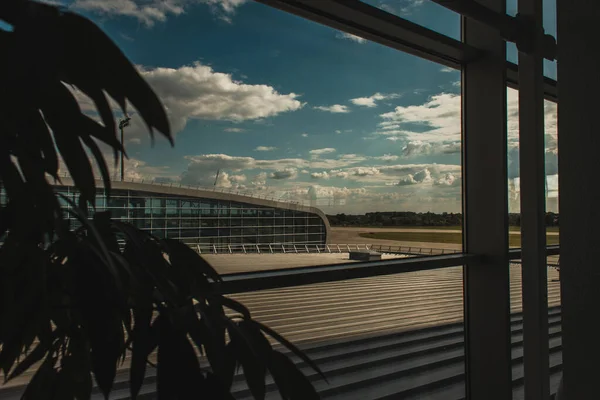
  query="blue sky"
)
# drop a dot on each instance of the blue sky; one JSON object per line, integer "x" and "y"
{"x": 285, "y": 107}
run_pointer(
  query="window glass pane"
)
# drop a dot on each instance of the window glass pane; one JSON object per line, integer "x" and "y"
{"x": 551, "y": 170}
{"x": 425, "y": 13}
{"x": 298, "y": 113}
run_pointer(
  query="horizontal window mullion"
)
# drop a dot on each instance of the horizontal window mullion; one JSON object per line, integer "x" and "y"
{"x": 274, "y": 279}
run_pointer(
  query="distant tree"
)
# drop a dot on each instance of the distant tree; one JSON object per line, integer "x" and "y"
{"x": 72, "y": 300}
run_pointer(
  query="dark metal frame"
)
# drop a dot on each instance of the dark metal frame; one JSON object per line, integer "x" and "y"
{"x": 485, "y": 199}
{"x": 272, "y": 279}
{"x": 533, "y": 207}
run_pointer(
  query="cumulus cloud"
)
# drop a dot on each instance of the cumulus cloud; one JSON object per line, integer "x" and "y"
{"x": 423, "y": 176}
{"x": 436, "y": 121}
{"x": 387, "y": 157}
{"x": 349, "y": 36}
{"x": 265, "y": 148}
{"x": 364, "y": 171}
{"x": 304, "y": 135}
{"x": 237, "y": 130}
{"x": 319, "y": 152}
{"x": 371, "y": 101}
{"x": 148, "y": 12}
{"x": 447, "y": 180}
{"x": 408, "y": 180}
{"x": 335, "y": 109}
{"x": 285, "y": 173}
{"x": 197, "y": 91}
{"x": 417, "y": 147}
{"x": 448, "y": 69}
{"x": 319, "y": 175}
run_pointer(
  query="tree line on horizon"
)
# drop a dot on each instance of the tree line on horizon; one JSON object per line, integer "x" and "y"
{"x": 409, "y": 218}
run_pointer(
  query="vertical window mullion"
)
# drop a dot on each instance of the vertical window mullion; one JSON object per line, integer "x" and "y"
{"x": 485, "y": 196}
{"x": 533, "y": 209}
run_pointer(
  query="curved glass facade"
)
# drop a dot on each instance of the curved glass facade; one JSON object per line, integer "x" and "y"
{"x": 208, "y": 222}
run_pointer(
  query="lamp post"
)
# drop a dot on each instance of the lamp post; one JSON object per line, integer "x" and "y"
{"x": 122, "y": 124}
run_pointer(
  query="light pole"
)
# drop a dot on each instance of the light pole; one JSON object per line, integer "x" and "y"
{"x": 122, "y": 124}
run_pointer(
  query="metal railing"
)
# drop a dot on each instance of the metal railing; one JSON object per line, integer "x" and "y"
{"x": 282, "y": 248}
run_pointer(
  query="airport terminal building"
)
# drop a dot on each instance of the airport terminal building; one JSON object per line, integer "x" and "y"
{"x": 209, "y": 219}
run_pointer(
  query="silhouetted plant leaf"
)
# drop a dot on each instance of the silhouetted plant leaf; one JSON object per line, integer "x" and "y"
{"x": 112, "y": 70}
{"x": 229, "y": 365}
{"x": 42, "y": 382}
{"x": 209, "y": 333}
{"x": 101, "y": 103}
{"x": 34, "y": 356}
{"x": 92, "y": 128}
{"x": 78, "y": 367}
{"x": 178, "y": 372}
{"x": 251, "y": 357}
{"x": 213, "y": 388}
{"x": 236, "y": 306}
{"x": 89, "y": 142}
{"x": 35, "y": 126}
{"x": 62, "y": 112}
{"x": 292, "y": 383}
{"x": 141, "y": 348}
{"x": 289, "y": 345}
{"x": 182, "y": 254}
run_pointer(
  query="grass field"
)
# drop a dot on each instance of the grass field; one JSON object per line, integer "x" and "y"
{"x": 438, "y": 237}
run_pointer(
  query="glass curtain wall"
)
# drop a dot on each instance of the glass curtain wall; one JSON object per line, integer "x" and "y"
{"x": 208, "y": 222}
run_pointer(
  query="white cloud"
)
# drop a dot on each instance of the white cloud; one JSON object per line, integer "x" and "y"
{"x": 371, "y": 100}
{"x": 320, "y": 175}
{"x": 448, "y": 69}
{"x": 304, "y": 135}
{"x": 364, "y": 171}
{"x": 319, "y": 152}
{"x": 417, "y": 148}
{"x": 134, "y": 141}
{"x": 265, "y": 148}
{"x": 387, "y": 157}
{"x": 197, "y": 91}
{"x": 408, "y": 180}
{"x": 335, "y": 108}
{"x": 338, "y": 131}
{"x": 349, "y": 36}
{"x": 149, "y": 12}
{"x": 355, "y": 158}
{"x": 447, "y": 180}
{"x": 285, "y": 173}
{"x": 436, "y": 121}
{"x": 422, "y": 176}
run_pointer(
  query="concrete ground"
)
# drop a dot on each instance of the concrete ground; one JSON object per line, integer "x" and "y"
{"x": 350, "y": 235}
